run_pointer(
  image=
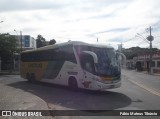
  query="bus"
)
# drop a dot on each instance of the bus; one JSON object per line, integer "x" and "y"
{"x": 75, "y": 64}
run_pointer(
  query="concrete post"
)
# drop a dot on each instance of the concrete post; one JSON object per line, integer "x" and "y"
{"x": 0, "y": 64}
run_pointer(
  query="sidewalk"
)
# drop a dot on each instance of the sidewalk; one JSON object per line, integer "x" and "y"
{"x": 9, "y": 72}
{"x": 145, "y": 72}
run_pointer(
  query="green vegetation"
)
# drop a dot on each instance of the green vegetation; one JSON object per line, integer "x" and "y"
{"x": 8, "y": 46}
{"x": 41, "y": 41}
{"x": 51, "y": 42}
{"x": 135, "y": 51}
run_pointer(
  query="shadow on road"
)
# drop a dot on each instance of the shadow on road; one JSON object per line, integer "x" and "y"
{"x": 79, "y": 100}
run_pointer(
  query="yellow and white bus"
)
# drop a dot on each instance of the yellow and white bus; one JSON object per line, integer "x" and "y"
{"x": 74, "y": 64}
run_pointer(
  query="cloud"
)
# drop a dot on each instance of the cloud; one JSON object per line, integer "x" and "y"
{"x": 111, "y": 21}
{"x": 113, "y": 30}
{"x": 19, "y": 5}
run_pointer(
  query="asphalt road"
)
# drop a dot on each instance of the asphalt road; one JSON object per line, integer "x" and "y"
{"x": 139, "y": 91}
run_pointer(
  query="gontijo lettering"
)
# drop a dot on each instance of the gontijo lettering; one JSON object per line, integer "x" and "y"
{"x": 35, "y": 65}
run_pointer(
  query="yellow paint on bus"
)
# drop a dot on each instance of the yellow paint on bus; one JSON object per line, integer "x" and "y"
{"x": 38, "y": 68}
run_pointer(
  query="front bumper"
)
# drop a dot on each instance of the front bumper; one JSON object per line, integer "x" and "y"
{"x": 103, "y": 86}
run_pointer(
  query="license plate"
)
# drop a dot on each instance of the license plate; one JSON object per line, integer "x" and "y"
{"x": 112, "y": 86}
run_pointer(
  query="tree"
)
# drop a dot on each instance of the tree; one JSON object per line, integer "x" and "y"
{"x": 41, "y": 42}
{"x": 8, "y": 46}
{"x": 51, "y": 42}
{"x": 135, "y": 51}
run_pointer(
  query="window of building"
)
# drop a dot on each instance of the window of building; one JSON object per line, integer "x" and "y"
{"x": 158, "y": 63}
{"x": 153, "y": 63}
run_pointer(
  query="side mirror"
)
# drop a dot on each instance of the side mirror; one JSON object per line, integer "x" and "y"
{"x": 95, "y": 58}
{"x": 88, "y": 61}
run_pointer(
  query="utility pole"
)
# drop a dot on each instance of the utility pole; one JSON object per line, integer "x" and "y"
{"x": 120, "y": 51}
{"x": 0, "y": 64}
{"x": 150, "y": 38}
{"x": 21, "y": 39}
{"x": 120, "y": 47}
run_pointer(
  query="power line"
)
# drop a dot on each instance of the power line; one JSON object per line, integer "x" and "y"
{"x": 141, "y": 42}
{"x": 129, "y": 40}
{"x": 140, "y": 36}
{"x": 134, "y": 37}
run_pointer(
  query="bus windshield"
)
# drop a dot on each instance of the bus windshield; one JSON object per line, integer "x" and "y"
{"x": 107, "y": 63}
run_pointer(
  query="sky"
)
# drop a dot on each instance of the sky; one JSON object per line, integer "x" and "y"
{"x": 111, "y": 21}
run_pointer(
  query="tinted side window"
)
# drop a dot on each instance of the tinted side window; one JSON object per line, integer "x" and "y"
{"x": 61, "y": 54}
{"x": 68, "y": 53}
{"x": 46, "y": 55}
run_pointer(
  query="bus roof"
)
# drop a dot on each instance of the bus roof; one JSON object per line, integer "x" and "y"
{"x": 98, "y": 45}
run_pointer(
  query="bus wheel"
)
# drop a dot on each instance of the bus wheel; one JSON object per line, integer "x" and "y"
{"x": 72, "y": 83}
{"x": 32, "y": 78}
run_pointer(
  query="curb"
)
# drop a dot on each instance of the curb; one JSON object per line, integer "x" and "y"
{"x": 144, "y": 72}
{"x": 8, "y": 73}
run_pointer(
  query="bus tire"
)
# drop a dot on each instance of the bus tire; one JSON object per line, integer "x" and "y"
{"x": 72, "y": 83}
{"x": 32, "y": 78}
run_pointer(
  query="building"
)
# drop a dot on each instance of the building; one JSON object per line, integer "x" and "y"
{"x": 130, "y": 64}
{"x": 142, "y": 62}
{"x": 27, "y": 42}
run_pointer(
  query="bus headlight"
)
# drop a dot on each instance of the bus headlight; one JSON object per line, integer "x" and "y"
{"x": 98, "y": 79}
